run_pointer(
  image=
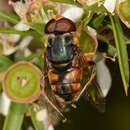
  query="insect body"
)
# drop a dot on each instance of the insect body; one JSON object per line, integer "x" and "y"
{"x": 66, "y": 84}
{"x": 64, "y": 63}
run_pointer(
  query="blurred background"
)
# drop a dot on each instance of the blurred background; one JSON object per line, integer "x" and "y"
{"x": 116, "y": 116}
{"x": 85, "y": 116}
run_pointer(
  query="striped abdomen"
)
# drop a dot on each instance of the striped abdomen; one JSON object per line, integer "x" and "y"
{"x": 66, "y": 85}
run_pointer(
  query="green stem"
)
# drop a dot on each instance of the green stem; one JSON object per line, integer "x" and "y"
{"x": 39, "y": 125}
{"x": 15, "y": 117}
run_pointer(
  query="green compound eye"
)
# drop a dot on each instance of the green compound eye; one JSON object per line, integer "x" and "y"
{"x": 21, "y": 82}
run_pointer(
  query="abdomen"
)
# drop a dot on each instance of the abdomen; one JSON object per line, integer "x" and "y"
{"x": 65, "y": 85}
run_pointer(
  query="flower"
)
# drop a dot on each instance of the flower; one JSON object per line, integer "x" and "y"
{"x": 110, "y": 5}
{"x": 42, "y": 115}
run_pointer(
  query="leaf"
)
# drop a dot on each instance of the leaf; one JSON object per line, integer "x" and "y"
{"x": 97, "y": 21}
{"x": 5, "y": 63}
{"x": 86, "y": 42}
{"x": 11, "y": 30}
{"x": 67, "y": 2}
{"x": 105, "y": 46}
{"x": 111, "y": 51}
{"x": 38, "y": 27}
{"x": 127, "y": 40}
{"x": 95, "y": 8}
{"x": 9, "y": 17}
{"x": 15, "y": 117}
{"x": 37, "y": 124}
{"x": 121, "y": 51}
{"x": 88, "y": 18}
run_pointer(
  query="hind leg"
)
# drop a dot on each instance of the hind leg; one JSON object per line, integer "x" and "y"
{"x": 43, "y": 92}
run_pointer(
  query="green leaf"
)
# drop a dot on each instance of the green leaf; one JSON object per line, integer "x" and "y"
{"x": 105, "y": 46}
{"x": 111, "y": 51}
{"x": 94, "y": 8}
{"x": 88, "y": 18}
{"x": 97, "y": 21}
{"x": 38, "y": 27}
{"x": 11, "y": 30}
{"x": 127, "y": 40}
{"x": 15, "y": 117}
{"x": 1, "y": 47}
{"x": 67, "y": 2}
{"x": 86, "y": 42}
{"x": 9, "y": 17}
{"x": 37, "y": 124}
{"x": 121, "y": 51}
{"x": 5, "y": 63}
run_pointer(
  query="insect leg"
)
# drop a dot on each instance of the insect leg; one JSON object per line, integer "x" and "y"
{"x": 48, "y": 100}
{"x": 49, "y": 121}
{"x": 90, "y": 80}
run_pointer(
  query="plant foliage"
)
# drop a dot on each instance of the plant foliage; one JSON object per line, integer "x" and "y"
{"x": 24, "y": 39}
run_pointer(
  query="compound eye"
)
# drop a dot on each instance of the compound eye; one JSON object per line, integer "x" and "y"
{"x": 50, "y": 40}
{"x": 68, "y": 40}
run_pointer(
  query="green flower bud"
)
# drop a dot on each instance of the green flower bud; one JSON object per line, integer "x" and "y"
{"x": 123, "y": 10}
{"x": 21, "y": 82}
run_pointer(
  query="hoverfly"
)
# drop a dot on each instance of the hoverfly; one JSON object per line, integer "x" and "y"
{"x": 64, "y": 64}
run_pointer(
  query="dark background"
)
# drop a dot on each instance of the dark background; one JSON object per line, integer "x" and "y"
{"x": 116, "y": 116}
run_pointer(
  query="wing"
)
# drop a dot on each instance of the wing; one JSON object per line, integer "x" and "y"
{"x": 94, "y": 93}
{"x": 79, "y": 58}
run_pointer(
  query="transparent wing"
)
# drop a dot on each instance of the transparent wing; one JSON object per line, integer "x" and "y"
{"x": 93, "y": 93}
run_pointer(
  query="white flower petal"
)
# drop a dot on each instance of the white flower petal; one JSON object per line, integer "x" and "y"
{"x": 110, "y": 5}
{"x": 42, "y": 115}
{"x": 122, "y": 0}
{"x": 45, "y": 20}
{"x": 20, "y": 7}
{"x": 21, "y": 26}
{"x": 51, "y": 127}
{"x": 14, "y": 37}
{"x": 27, "y": 52}
{"x": 103, "y": 76}
{"x": 25, "y": 42}
{"x": 4, "y": 104}
{"x": 10, "y": 50}
{"x": 92, "y": 30}
{"x": 91, "y": 2}
{"x": 73, "y": 13}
